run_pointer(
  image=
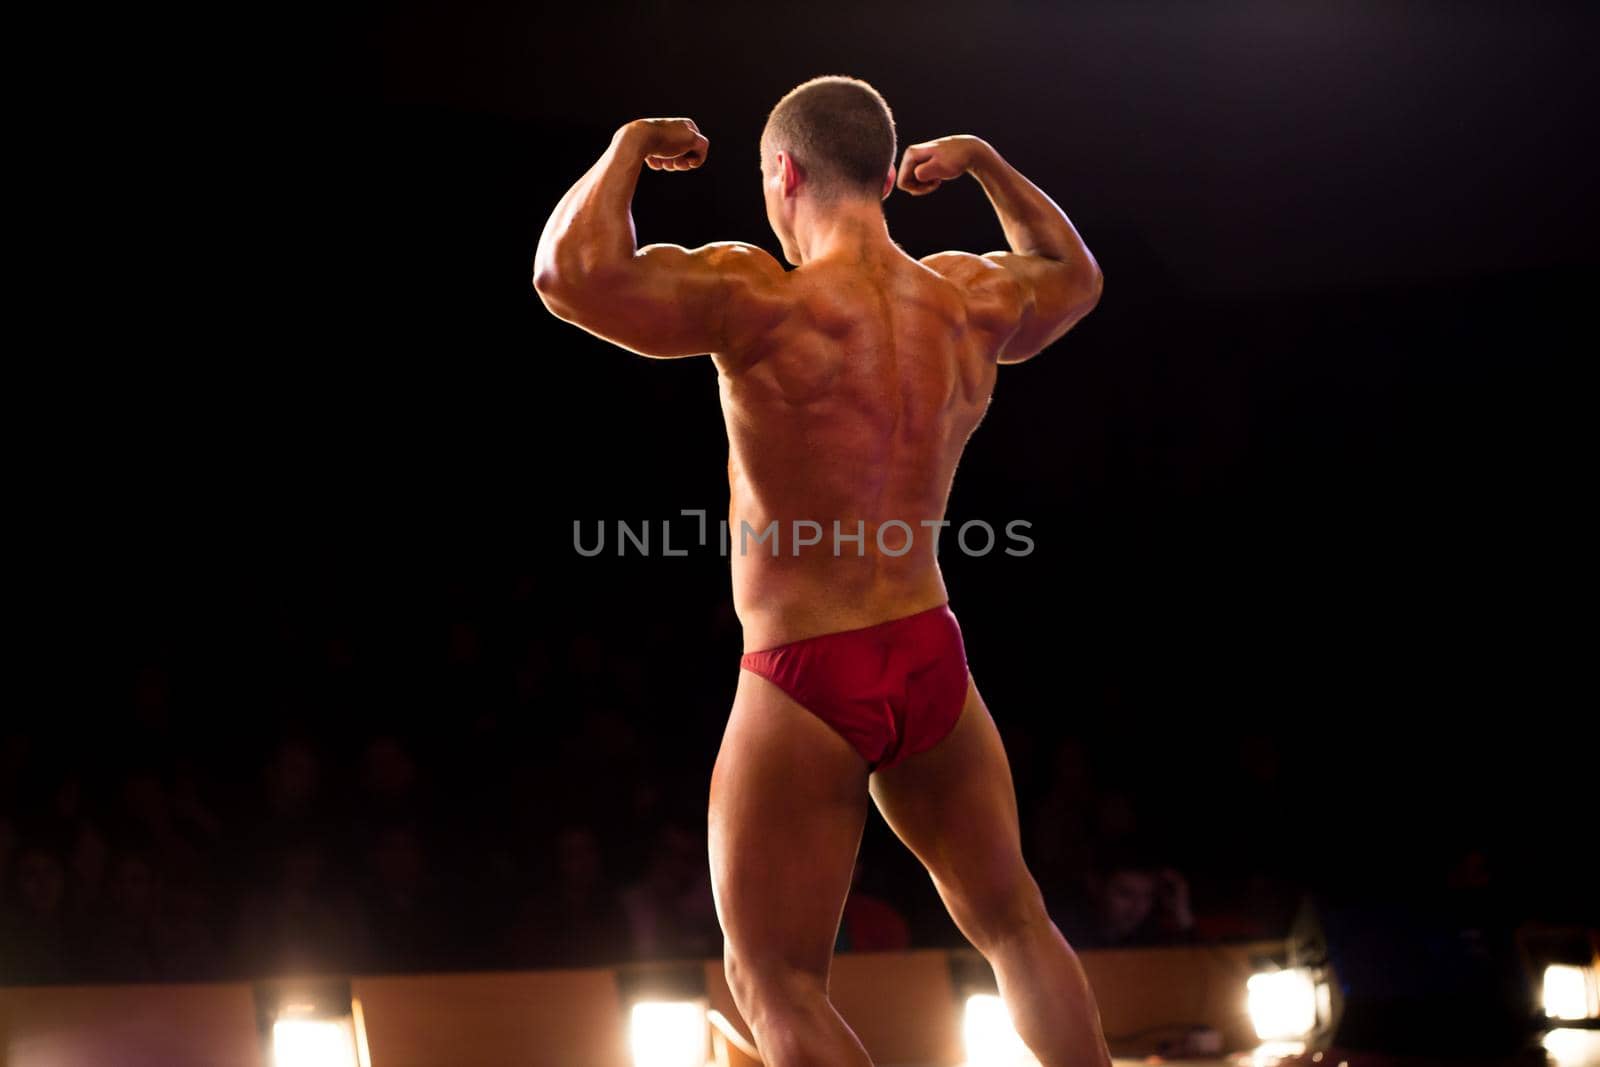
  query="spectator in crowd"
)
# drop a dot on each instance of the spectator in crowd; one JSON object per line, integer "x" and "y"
{"x": 671, "y": 912}
{"x": 870, "y": 923}
{"x": 146, "y": 931}
{"x": 181, "y": 846}
{"x": 1131, "y": 901}
{"x": 578, "y": 921}
{"x": 1062, "y": 836}
{"x": 407, "y": 923}
{"x": 8, "y": 846}
{"x": 125, "y": 929}
{"x": 300, "y": 920}
{"x": 88, "y": 865}
{"x": 293, "y": 780}
{"x": 34, "y": 934}
{"x": 388, "y": 776}
{"x": 1250, "y": 906}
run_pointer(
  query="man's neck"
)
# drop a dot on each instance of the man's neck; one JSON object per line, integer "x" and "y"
{"x": 849, "y": 229}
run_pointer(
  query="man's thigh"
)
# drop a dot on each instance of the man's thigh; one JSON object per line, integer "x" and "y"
{"x": 955, "y": 807}
{"x": 788, "y": 802}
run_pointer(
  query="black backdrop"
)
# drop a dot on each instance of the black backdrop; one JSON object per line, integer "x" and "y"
{"x": 1311, "y": 469}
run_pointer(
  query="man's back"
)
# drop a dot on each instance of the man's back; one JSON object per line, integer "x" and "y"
{"x": 849, "y": 392}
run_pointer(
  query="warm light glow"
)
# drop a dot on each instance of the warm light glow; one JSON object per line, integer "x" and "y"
{"x": 670, "y": 1034}
{"x": 992, "y": 1040}
{"x": 363, "y": 1054}
{"x": 1283, "y": 1004}
{"x": 1276, "y": 1053}
{"x": 1571, "y": 992}
{"x": 1573, "y": 1048}
{"x": 314, "y": 1043}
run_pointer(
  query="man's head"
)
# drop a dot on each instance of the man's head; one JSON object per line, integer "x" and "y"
{"x": 1126, "y": 898}
{"x": 578, "y": 862}
{"x": 1125, "y": 891}
{"x": 829, "y": 143}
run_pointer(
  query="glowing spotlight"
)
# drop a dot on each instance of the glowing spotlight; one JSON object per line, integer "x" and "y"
{"x": 314, "y": 1043}
{"x": 991, "y": 1038}
{"x": 1572, "y": 1048}
{"x": 1571, "y": 992}
{"x": 1283, "y": 1004}
{"x": 312, "y": 1024}
{"x": 670, "y": 1033}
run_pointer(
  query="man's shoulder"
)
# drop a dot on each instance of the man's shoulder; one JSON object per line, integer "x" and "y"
{"x": 758, "y": 287}
{"x": 992, "y": 294}
{"x": 720, "y": 263}
{"x": 759, "y": 296}
{"x": 741, "y": 260}
{"x": 970, "y": 271}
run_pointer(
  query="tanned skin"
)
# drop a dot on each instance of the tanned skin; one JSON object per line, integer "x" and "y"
{"x": 849, "y": 388}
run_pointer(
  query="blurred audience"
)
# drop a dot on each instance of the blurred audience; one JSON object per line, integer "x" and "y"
{"x": 485, "y": 793}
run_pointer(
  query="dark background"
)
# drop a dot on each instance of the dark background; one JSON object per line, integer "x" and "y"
{"x": 1308, "y": 593}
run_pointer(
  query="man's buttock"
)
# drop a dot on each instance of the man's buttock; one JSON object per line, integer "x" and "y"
{"x": 892, "y": 690}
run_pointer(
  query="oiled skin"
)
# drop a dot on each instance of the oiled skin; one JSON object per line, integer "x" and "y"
{"x": 852, "y": 402}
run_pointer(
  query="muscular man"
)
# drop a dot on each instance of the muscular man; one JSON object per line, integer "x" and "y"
{"x": 849, "y": 386}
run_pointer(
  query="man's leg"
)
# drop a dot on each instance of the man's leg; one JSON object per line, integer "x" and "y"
{"x": 788, "y": 803}
{"x": 956, "y": 808}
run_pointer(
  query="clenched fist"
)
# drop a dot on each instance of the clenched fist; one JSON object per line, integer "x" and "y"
{"x": 925, "y": 166}
{"x": 669, "y": 144}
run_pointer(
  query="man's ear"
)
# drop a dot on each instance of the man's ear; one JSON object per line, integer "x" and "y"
{"x": 791, "y": 173}
{"x": 888, "y": 183}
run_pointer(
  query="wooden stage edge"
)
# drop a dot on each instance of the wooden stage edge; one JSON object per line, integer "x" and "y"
{"x": 906, "y": 1007}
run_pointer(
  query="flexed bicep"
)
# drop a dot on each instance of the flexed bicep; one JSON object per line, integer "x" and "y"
{"x": 1052, "y": 297}
{"x": 661, "y": 300}
{"x": 669, "y": 301}
{"x": 1048, "y": 280}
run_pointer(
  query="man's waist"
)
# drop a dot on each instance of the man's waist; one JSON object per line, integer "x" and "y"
{"x": 780, "y": 612}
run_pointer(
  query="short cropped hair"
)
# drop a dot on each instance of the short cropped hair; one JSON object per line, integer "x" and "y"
{"x": 839, "y": 130}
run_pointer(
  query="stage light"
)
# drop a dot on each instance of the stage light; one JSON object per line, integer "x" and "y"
{"x": 1571, "y": 992}
{"x": 311, "y": 1024}
{"x": 314, "y": 1043}
{"x": 1572, "y": 1048}
{"x": 1283, "y": 1004}
{"x": 669, "y": 1033}
{"x": 991, "y": 1037}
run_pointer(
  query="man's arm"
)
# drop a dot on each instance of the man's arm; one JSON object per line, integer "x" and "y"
{"x": 661, "y": 300}
{"x": 1038, "y": 290}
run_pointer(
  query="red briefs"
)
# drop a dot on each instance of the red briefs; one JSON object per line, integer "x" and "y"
{"x": 891, "y": 690}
